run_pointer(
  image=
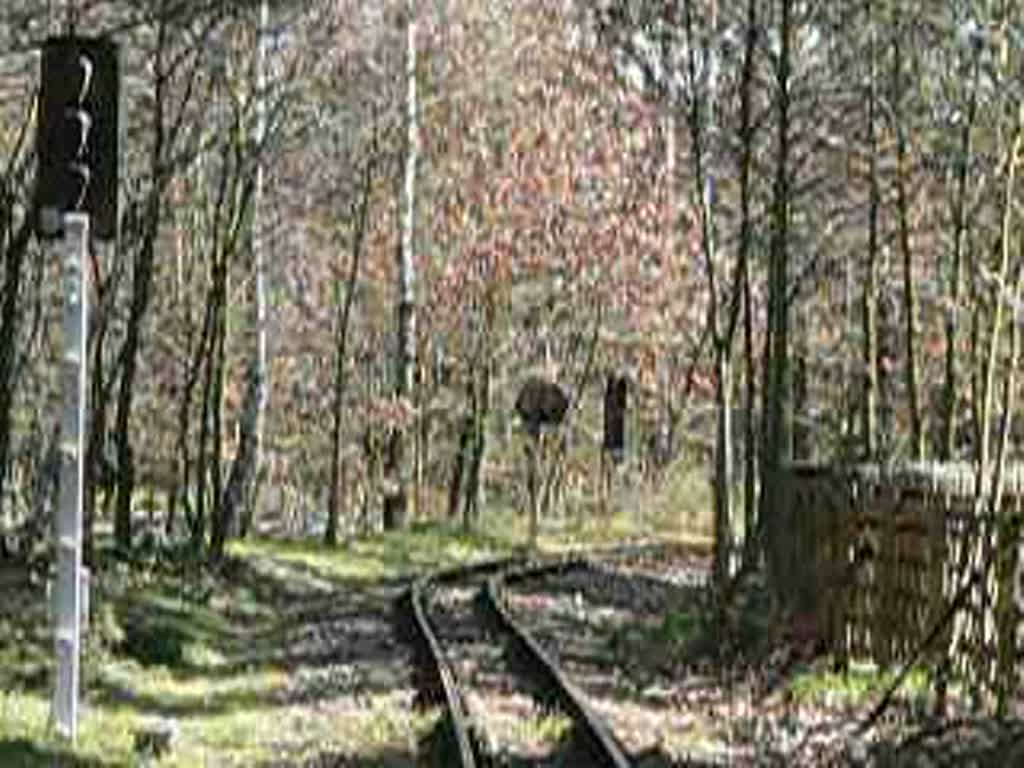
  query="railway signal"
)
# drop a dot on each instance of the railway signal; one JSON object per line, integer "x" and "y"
{"x": 77, "y": 134}
{"x": 615, "y": 401}
{"x": 541, "y": 403}
{"x": 76, "y": 195}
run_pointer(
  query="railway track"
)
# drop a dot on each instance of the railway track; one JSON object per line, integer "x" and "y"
{"x": 463, "y": 739}
{"x": 460, "y": 743}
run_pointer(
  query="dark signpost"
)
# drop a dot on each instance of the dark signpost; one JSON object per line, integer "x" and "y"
{"x": 616, "y": 393}
{"x": 615, "y": 396}
{"x": 76, "y": 147}
{"x": 540, "y": 403}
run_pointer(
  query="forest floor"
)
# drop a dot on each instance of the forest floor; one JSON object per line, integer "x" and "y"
{"x": 287, "y": 656}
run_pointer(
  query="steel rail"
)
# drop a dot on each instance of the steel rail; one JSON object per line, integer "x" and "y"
{"x": 603, "y": 746}
{"x": 458, "y": 716}
{"x": 597, "y": 736}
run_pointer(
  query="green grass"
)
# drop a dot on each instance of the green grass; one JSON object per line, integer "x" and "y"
{"x": 27, "y": 740}
{"x": 384, "y": 555}
{"x": 166, "y": 640}
{"x": 172, "y": 640}
{"x": 683, "y": 505}
{"x": 855, "y": 686}
{"x": 544, "y": 728}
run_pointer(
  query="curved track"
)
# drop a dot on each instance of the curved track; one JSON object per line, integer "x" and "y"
{"x": 462, "y": 743}
{"x": 437, "y": 683}
{"x": 598, "y": 738}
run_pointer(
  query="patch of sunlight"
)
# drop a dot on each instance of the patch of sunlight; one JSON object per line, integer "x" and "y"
{"x": 856, "y": 685}
{"x": 179, "y": 613}
{"x": 382, "y": 556}
{"x": 168, "y": 690}
{"x": 235, "y": 732}
{"x": 683, "y": 504}
{"x": 26, "y": 735}
{"x": 544, "y": 728}
{"x": 233, "y": 737}
{"x": 202, "y": 656}
{"x": 295, "y": 734}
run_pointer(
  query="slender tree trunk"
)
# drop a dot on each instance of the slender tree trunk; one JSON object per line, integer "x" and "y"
{"x": 248, "y": 466}
{"x": 142, "y": 278}
{"x": 10, "y": 316}
{"x": 952, "y": 326}
{"x": 723, "y": 468}
{"x": 776, "y": 441}
{"x": 950, "y": 394}
{"x": 869, "y": 300}
{"x": 95, "y": 457}
{"x": 396, "y": 501}
{"x": 455, "y": 481}
{"x": 474, "y": 492}
{"x": 721, "y": 317}
{"x": 998, "y": 301}
{"x": 219, "y": 515}
{"x": 202, "y": 450}
{"x": 343, "y": 313}
{"x": 800, "y": 419}
{"x": 909, "y": 289}
{"x": 1003, "y": 534}
{"x": 746, "y": 243}
{"x": 534, "y": 447}
{"x": 1006, "y": 642}
{"x": 211, "y": 353}
{"x": 142, "y": 288}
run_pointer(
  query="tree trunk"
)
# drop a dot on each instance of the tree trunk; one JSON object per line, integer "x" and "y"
{"x": 1006, "y": 644}
{"x": 10, "y": 315}
{"x": 142, "y": 281}
{"x": 220, "y": 522}
{"x": 917, "y": 443}
{"x": 95, "y": 458}
{"x": 342, "y": 315}
{"x": 251, "y": 425}
{"x": 951, "y": 384}
{"x": 396, "y": 499}
{"x": 723, "y": 469}
{"x": 142, "y": 288}
{"x": 869, "y": 299}
{"x": 474, "y": 492}
{"x": 776, "y": 441}
{"x": 243, "y": 468}
{"x": 534, "y": 446}
{"x": 746, "y": 244}
{"x": 947, "y": 448}
{"x": 722, "y": 317}
{"x": 455, "y": 481}
{"x": 801, "y": 418}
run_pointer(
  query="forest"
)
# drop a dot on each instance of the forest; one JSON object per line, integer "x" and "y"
{"x": 684, "y": 334}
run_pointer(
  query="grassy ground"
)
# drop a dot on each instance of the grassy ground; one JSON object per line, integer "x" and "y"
{"x": 224, "y": 657}
{"x": 286, "y": 656}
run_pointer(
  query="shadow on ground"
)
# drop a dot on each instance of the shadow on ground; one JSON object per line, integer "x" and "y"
{"x": 19, "y": 753}
{"x": 269, "y": 639}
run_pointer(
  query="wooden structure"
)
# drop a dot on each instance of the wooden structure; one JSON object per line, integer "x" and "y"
{"x": 878, "y": 555}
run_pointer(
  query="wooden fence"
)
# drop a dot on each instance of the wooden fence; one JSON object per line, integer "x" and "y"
{"x": 879, "y": 554}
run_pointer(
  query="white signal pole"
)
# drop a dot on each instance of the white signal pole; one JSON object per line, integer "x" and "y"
{"x": 69, "y": 594}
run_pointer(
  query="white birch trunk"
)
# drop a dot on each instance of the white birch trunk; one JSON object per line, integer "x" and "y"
{"x": 406, "y": 266}
{"x": 396, "y": 503}
{"x": 239, "y": 494}
{"x": 259, "y": 247}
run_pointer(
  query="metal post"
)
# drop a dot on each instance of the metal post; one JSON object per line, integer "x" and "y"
{"x": 68, "y": 592}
